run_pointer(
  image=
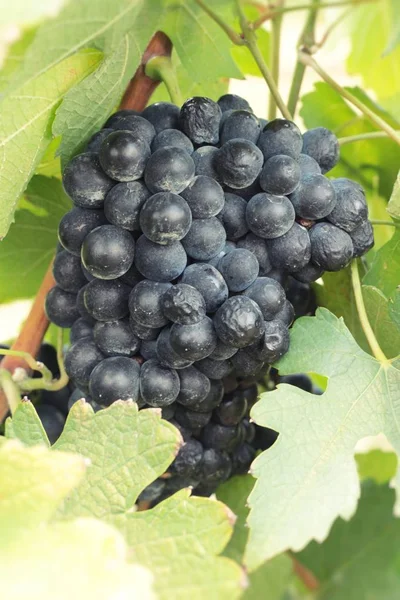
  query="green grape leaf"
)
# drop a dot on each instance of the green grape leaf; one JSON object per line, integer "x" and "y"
{"x": 380, "y": 71}
{"x": 33, "y": 482}
{"x": 27, "y": 250}
{"x": 360, "y": 558}
{"x": 271, "y": 579}
{"x": 50, "y": 165}
{"x": 14, "y": 57}
{"x": 81, "y": 559}
{"x": 202, "y": 46}
{"x": 394, "y": 306}
{"x": 337, "y": 296}
{"x": 385, "y": 268}
{"x": 128, "y": 450}
{"x": 24, "y": 127}
{"x": 26, "y": 426}
{"x": 395, "y": 34}
{"x": 373, "y": 163}
{"x": 377, "y": 465}
{"x": 394, "y": 202}
{"x": 309, "y": 476}
{"x": 179, "y": 541}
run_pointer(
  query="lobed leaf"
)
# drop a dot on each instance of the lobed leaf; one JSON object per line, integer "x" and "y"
{"x": 128, "y": 450}
{"x": 394, "y": 202}
{"x": 309, "y": 476}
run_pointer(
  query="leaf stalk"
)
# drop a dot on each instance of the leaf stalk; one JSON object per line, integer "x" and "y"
{"x": 160, "y": 68}
{"x": 362, "y": 315}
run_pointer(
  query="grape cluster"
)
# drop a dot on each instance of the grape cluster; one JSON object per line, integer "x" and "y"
{"x": 194, "y": 236}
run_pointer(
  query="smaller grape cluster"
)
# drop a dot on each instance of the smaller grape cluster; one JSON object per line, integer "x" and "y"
{"x": 192, "y": 230}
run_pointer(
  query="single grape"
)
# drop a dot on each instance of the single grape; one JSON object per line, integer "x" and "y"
{"x": 286, "y": 314}
{"x": 233, "y": 217}
{"x": 192, "y": 420}
{"x": 269, "y": 296}
{"x": 183, "y": 304}
{"x": 123, "y": 204}
{"x": 308, "y": 165}
{"x": 315, "y": 197}
{"x": 141, "y": 128}
{"x": 233, "y": 102}
{"x": 76, "y": 224}
{"x": 273, "y": 344}
{"x": 300, "y": 295}
{"x": 239, "y": 162}
{"x": 239, "y": 321}
{"x": 167, "y": 355}
{"x": 269, "y": 216}
{"x": 258, "y": 247}
{"x": 188, "y": 459}
{"x": 61, "y": 307}
{"x": 106, "y": 300}
{"x": 204, "y": 196}
{"x": 67, "y": 272}
{"x": 116, "y": 338}
{"x": 108, "y": 251}
{"x": 81, "y": 329}
{"x": 165, "y": 218}
{"x": 115, "y": 378}
{"x": 80, "y": 360}
{"x": 199, "y": 120}
{"x": 159, "y": 385}
{"x": 351, "y": 208}
{"x": 172, "y": 137}
{"x": 205, "y": 238}
{"x": 209, "y": 282}
{"x": 242, "y": 457}
{"x": 362, "y": 238}
{"x": 322, "y": 145}
{"x": 118, "y": 115}
{"x": 123, "y": 156}
{"x": 203, "y": 159}
{"x": 169, "y": 170}
{"x": 160, "y": 263}
{"x": 280, "y": 137}
{"x": 239, "y": 268}
{"x": 331, "y": 247}
{"x": 85, "y": 182}
{"x": 280, "y": 175}
{"x": 240, "y": 124}
{"x": 292, "y": 251}
{"x": 145, "y": 303}
{"x": 194, "y": 386}
{"x": 193, "y": 342}
{"x": 162, "y": 115}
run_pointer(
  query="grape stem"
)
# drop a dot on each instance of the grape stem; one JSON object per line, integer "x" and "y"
{"x": 273, "y": 11}
{"x": 306, "y": 40}
{"x": 231, "y": 33}
{"x": 369, "y": 135}
{"x": 10, "y": 390}
{"x": 251, "y": 39}
{"x": 275, "y": 55}
{"x": 160, "y": 68}
{"x": 362, "y": 315}
{"x": 308, "y": 60}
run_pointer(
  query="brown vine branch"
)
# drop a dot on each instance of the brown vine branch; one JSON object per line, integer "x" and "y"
{"x": 306, "y": 576}
{"x": 136, "y": 97}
